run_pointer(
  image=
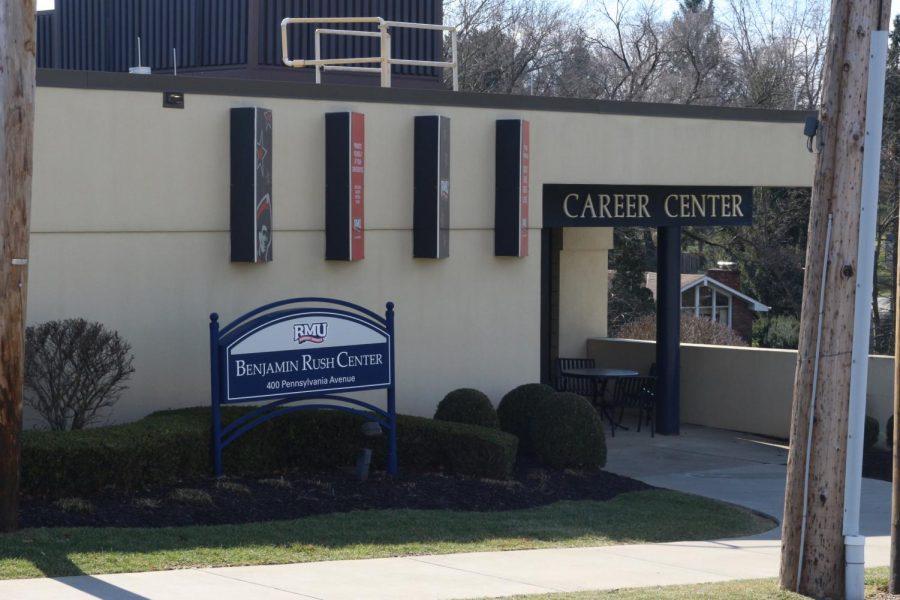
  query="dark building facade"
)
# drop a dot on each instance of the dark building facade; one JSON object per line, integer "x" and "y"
{"x": 231, "y": 38}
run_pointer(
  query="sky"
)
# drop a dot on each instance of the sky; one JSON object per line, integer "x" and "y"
{"x": 668, "y": 6}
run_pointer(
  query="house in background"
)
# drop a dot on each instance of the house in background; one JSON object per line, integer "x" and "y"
{"x": 716, "y": 295}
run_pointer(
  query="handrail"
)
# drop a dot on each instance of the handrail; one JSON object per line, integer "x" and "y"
{"x": 384, "y": 58}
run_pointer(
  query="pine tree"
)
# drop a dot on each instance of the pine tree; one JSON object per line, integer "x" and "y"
{"x": 692, "y": 6}
{"x": 629, "y": 298}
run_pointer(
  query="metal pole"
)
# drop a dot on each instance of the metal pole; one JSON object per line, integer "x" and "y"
{"x": 894, "y": 586}
{"x": 385, "y": 57}
{"x": 862, "y": 320}
{"x": 216, "y": 429}
{"x": 668, "y": 329}
{"x": 393, "y": 467}
{"x": 318, "y": 50}
{"x": 455, "y": 60}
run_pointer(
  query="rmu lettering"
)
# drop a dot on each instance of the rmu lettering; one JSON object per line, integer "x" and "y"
{"x": 310, "y": 332}
{"x": 607, "y": 206}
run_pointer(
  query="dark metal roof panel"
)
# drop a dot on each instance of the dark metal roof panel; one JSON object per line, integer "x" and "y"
{"x": 45, "y": 38}
{"x": 223, "y": 32}
{"x": 405, "y": 43}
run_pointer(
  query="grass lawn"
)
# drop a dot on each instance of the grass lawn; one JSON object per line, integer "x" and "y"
{"x": 637, "y": 517}
{"x": 758, "y": 589}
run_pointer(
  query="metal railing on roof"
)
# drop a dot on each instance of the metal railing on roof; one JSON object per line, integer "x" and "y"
{"x": 384, "y": 59}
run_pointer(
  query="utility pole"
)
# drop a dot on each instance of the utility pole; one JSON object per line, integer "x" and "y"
{"x": 17, "y": 74}
{"x": 813, "y": 560}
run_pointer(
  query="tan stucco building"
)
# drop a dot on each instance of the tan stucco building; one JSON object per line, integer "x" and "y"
{"x": 131, "y": 219}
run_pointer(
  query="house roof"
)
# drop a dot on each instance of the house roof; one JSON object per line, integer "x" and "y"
{"x": 692, "y": 280}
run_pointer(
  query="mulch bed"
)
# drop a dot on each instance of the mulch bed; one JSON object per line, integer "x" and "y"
{"x": 294, "y": 495}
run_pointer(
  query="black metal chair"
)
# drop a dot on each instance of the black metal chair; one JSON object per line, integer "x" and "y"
{"x": 577, "y": 385}
{"x": 636, "y": 393}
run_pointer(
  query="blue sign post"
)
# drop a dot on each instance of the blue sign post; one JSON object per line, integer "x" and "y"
{"x": 301, "y": 354}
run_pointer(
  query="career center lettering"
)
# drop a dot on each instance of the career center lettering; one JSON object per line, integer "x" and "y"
{"x": 636, "y": 206}
{"x": 626, "y": 205}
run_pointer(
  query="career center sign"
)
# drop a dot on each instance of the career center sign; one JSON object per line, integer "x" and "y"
{"x": 585, "y": 205}
{"x": 309, "y": 351}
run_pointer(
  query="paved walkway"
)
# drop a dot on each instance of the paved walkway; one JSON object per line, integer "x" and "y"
{"x": 718, "y": 464}
{"x": 733, "y": 467}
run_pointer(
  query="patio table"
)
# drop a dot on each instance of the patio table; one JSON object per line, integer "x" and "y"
{"x": 600, "y": 378}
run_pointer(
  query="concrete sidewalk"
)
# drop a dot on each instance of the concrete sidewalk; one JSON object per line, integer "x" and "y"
{"x": 719, "y": 464}
{"x": 441, "y": 577}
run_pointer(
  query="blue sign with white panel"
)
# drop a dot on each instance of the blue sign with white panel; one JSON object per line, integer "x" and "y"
{"x": 295, "y": 353}
{"x": 307, "y": 351}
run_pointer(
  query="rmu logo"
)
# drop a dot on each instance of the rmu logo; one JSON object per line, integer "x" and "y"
{"x": 310, "y": 332}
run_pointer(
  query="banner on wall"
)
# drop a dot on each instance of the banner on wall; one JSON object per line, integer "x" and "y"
{"x": 251, "y": 185}
{"x": 431, "y": 187}
{"x": 345, "y": 172}
{"x": 513, "y": 164}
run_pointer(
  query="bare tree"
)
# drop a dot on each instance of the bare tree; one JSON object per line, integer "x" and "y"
{"x": 504, "y": 44}
{"x": 629, "y": 50}
{"x": 778, "y": 50}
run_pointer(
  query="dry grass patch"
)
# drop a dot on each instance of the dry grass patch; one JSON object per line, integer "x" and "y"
{"x": 232, "y": 486}
{"x": 191, "y": 496}
{"x": 277, "y": 482}
{"x": 75, "y": 505}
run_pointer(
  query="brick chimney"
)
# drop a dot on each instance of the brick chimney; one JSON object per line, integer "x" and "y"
{"x": 741, "y": 316}
{"x": 731, "y": 278}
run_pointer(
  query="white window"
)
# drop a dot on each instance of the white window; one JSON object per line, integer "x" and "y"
{"x": 708, "y": 302}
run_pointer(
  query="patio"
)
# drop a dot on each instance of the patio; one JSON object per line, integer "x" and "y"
{"x": 733, "y": 467}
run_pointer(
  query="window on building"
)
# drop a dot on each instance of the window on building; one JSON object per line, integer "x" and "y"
{"x": 707, "y": 302}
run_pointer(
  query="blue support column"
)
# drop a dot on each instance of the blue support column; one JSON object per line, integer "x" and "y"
{"x": 393, "y": 468}
{"x": 668, "y": 329}
{"x": 215, "y": 444}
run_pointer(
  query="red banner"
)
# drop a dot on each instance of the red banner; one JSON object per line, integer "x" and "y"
{"x": 357, "y": 186}
{"x": 523, "y": 192}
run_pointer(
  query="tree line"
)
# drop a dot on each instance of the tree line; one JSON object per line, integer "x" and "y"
{"x": 744, "y": 53}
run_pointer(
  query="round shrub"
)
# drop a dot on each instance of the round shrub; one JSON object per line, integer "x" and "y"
{"x": 516, "y": 411}
{"x": 566, "y": 431}
{"x": 469, "y": 406}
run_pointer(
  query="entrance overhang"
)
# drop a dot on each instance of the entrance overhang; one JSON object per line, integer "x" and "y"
{"x": 668, "y": 208}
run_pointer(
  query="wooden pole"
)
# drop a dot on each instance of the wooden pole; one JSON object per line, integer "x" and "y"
{"x": 820, "y": 563}
{"x": 17, "y": 74}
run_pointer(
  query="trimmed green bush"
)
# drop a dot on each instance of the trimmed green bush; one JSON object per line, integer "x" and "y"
{"x": 469, "y": 406}
{"x": 567, "y": 432}
{"x": 516, "y": 410}
{"x": 870, "y": 435}
{"x": 171, "y": 446}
